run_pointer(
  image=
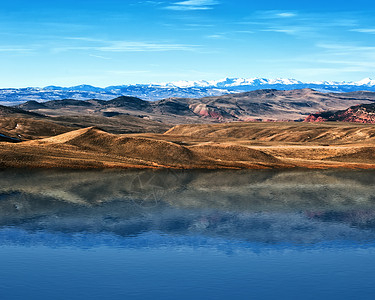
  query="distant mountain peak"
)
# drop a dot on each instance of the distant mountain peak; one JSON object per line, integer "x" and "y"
{"x": 229, "y": 82}
{"x": 178, "y": 89}
{"x": 366, "y": 81}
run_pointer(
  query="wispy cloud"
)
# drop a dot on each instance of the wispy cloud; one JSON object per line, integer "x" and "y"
{"x": 99, "y": 56}
{"x": 322, "y": 72}
{"x": 346, "y": 57}
{"x": 13, "y": 49}
{"x": 364, "y": 30}
{"x": 275, "y": 14}
{"x": 245, "y": 31}
{"x": 120, "y": 46}
{"x": 218, "y": 36}
{"x": 127, "y": 72}
{"x": 153, "y": 3}
{"x": 193, "y": 5}
{"x": 199, "y": 25}
{"x": 291, "y": 31}
{"x": 92, "y": 44}
{"x": 347, "y": 48}
{"x": 304, "y": 25}
{"x": 84, "y": 39}
{"x": 286, "y": 14}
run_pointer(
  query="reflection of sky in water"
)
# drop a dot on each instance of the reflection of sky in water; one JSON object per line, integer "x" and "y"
{"x": 263, "y": 207}
{"x": 159, "y": 240}
{"x": 165, "y": 225}
{"x": 184, "y": 235}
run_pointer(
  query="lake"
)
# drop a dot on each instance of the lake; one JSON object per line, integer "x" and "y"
{"x": 187, "y": 234}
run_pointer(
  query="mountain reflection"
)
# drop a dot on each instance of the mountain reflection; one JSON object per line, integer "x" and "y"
{"x": 268, "y": 207}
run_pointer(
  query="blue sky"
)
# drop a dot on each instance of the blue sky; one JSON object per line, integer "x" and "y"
{"x": 122, "y": 42}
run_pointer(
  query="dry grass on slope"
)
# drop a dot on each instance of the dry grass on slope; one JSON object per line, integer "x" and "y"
{"x": 135, "y": 147}
{"x": 101, "y": 148}
{"x": 93, "y": 148}
{"x": 357, "y": 155}
{"x": 117, "y": 124}
{"x": 29, "y": 128}
{"x": 233, "y": 153}
{"x": 331, "y": 133}
{"x": 148, "y": 151}
{"x": 95, "y": 140}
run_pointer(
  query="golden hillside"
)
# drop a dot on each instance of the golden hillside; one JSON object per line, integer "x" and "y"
{"x": 202, "y": 146}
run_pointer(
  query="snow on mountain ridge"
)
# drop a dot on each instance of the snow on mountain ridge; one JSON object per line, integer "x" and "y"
{"x": 221, "y": 83}
{"x": 366, "y": 81}
{"x": 231, "y": 82}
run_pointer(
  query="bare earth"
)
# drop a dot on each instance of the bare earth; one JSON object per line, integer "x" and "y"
{"x": 201, "y": 146}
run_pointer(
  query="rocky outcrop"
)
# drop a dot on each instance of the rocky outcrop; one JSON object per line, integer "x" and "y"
{"x": 364, "y": 113}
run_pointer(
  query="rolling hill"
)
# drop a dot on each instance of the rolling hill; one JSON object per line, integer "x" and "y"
{"x": 202, "y": 146}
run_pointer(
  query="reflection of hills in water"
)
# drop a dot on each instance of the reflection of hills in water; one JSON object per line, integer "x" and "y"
{"x": 253, "y": 206}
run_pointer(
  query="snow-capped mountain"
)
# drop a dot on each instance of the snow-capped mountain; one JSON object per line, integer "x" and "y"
{"x": 229, "y": 82}
{"x": 184, "y": 89}
{"x": 364, "y": 82}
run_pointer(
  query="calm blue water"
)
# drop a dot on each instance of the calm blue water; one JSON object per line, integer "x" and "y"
{"x": 187, "y": 235}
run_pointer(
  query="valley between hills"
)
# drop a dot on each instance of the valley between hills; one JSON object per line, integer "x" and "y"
{"x": 208, "y": 133}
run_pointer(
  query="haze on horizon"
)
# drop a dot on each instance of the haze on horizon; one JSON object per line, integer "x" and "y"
{"x": 116, "y": 42}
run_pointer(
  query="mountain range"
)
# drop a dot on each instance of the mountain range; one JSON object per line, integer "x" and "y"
{"x": 180, "y": 89}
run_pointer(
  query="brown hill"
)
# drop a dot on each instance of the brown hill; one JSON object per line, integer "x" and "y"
{"x": 92, "y": 147}
{"x": 30, "y": 128}
{"x": 359, "y": 155}
{"x": 15, "y": 111}
{"x": 232, "y": 153}
{"x": 118, "y": 124}
{"x": 21, "y": 124}
{"x": 95, "y": 140}
{"x": 321, "y": 133}
{"x": 210, "y": 146}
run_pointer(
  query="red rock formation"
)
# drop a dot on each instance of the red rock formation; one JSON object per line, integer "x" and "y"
{"x": 364, "y": 113}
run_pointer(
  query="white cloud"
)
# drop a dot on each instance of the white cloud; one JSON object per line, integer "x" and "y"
{"x": 349, "y": 56}
{"x": 286, "y": 15}
{"x": 291, "y": 31}
{"x": 346, "y": 48}
{"x": 327, "y": 71}
{"x": 193, "y": 5}
{"x": 245, "y": 31}
{"x": 99, "y": 56}
{"x": 301, "y": 31}
{"x": 121, "y": 46}
{"x": 364, "y": 30}
{"x": 127, "y": 72}
{"x": 154, "y": 3}
{"x": 15, "y": 49}
{"x": 218, "y": 36}
{"x": 275, "y": 14}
